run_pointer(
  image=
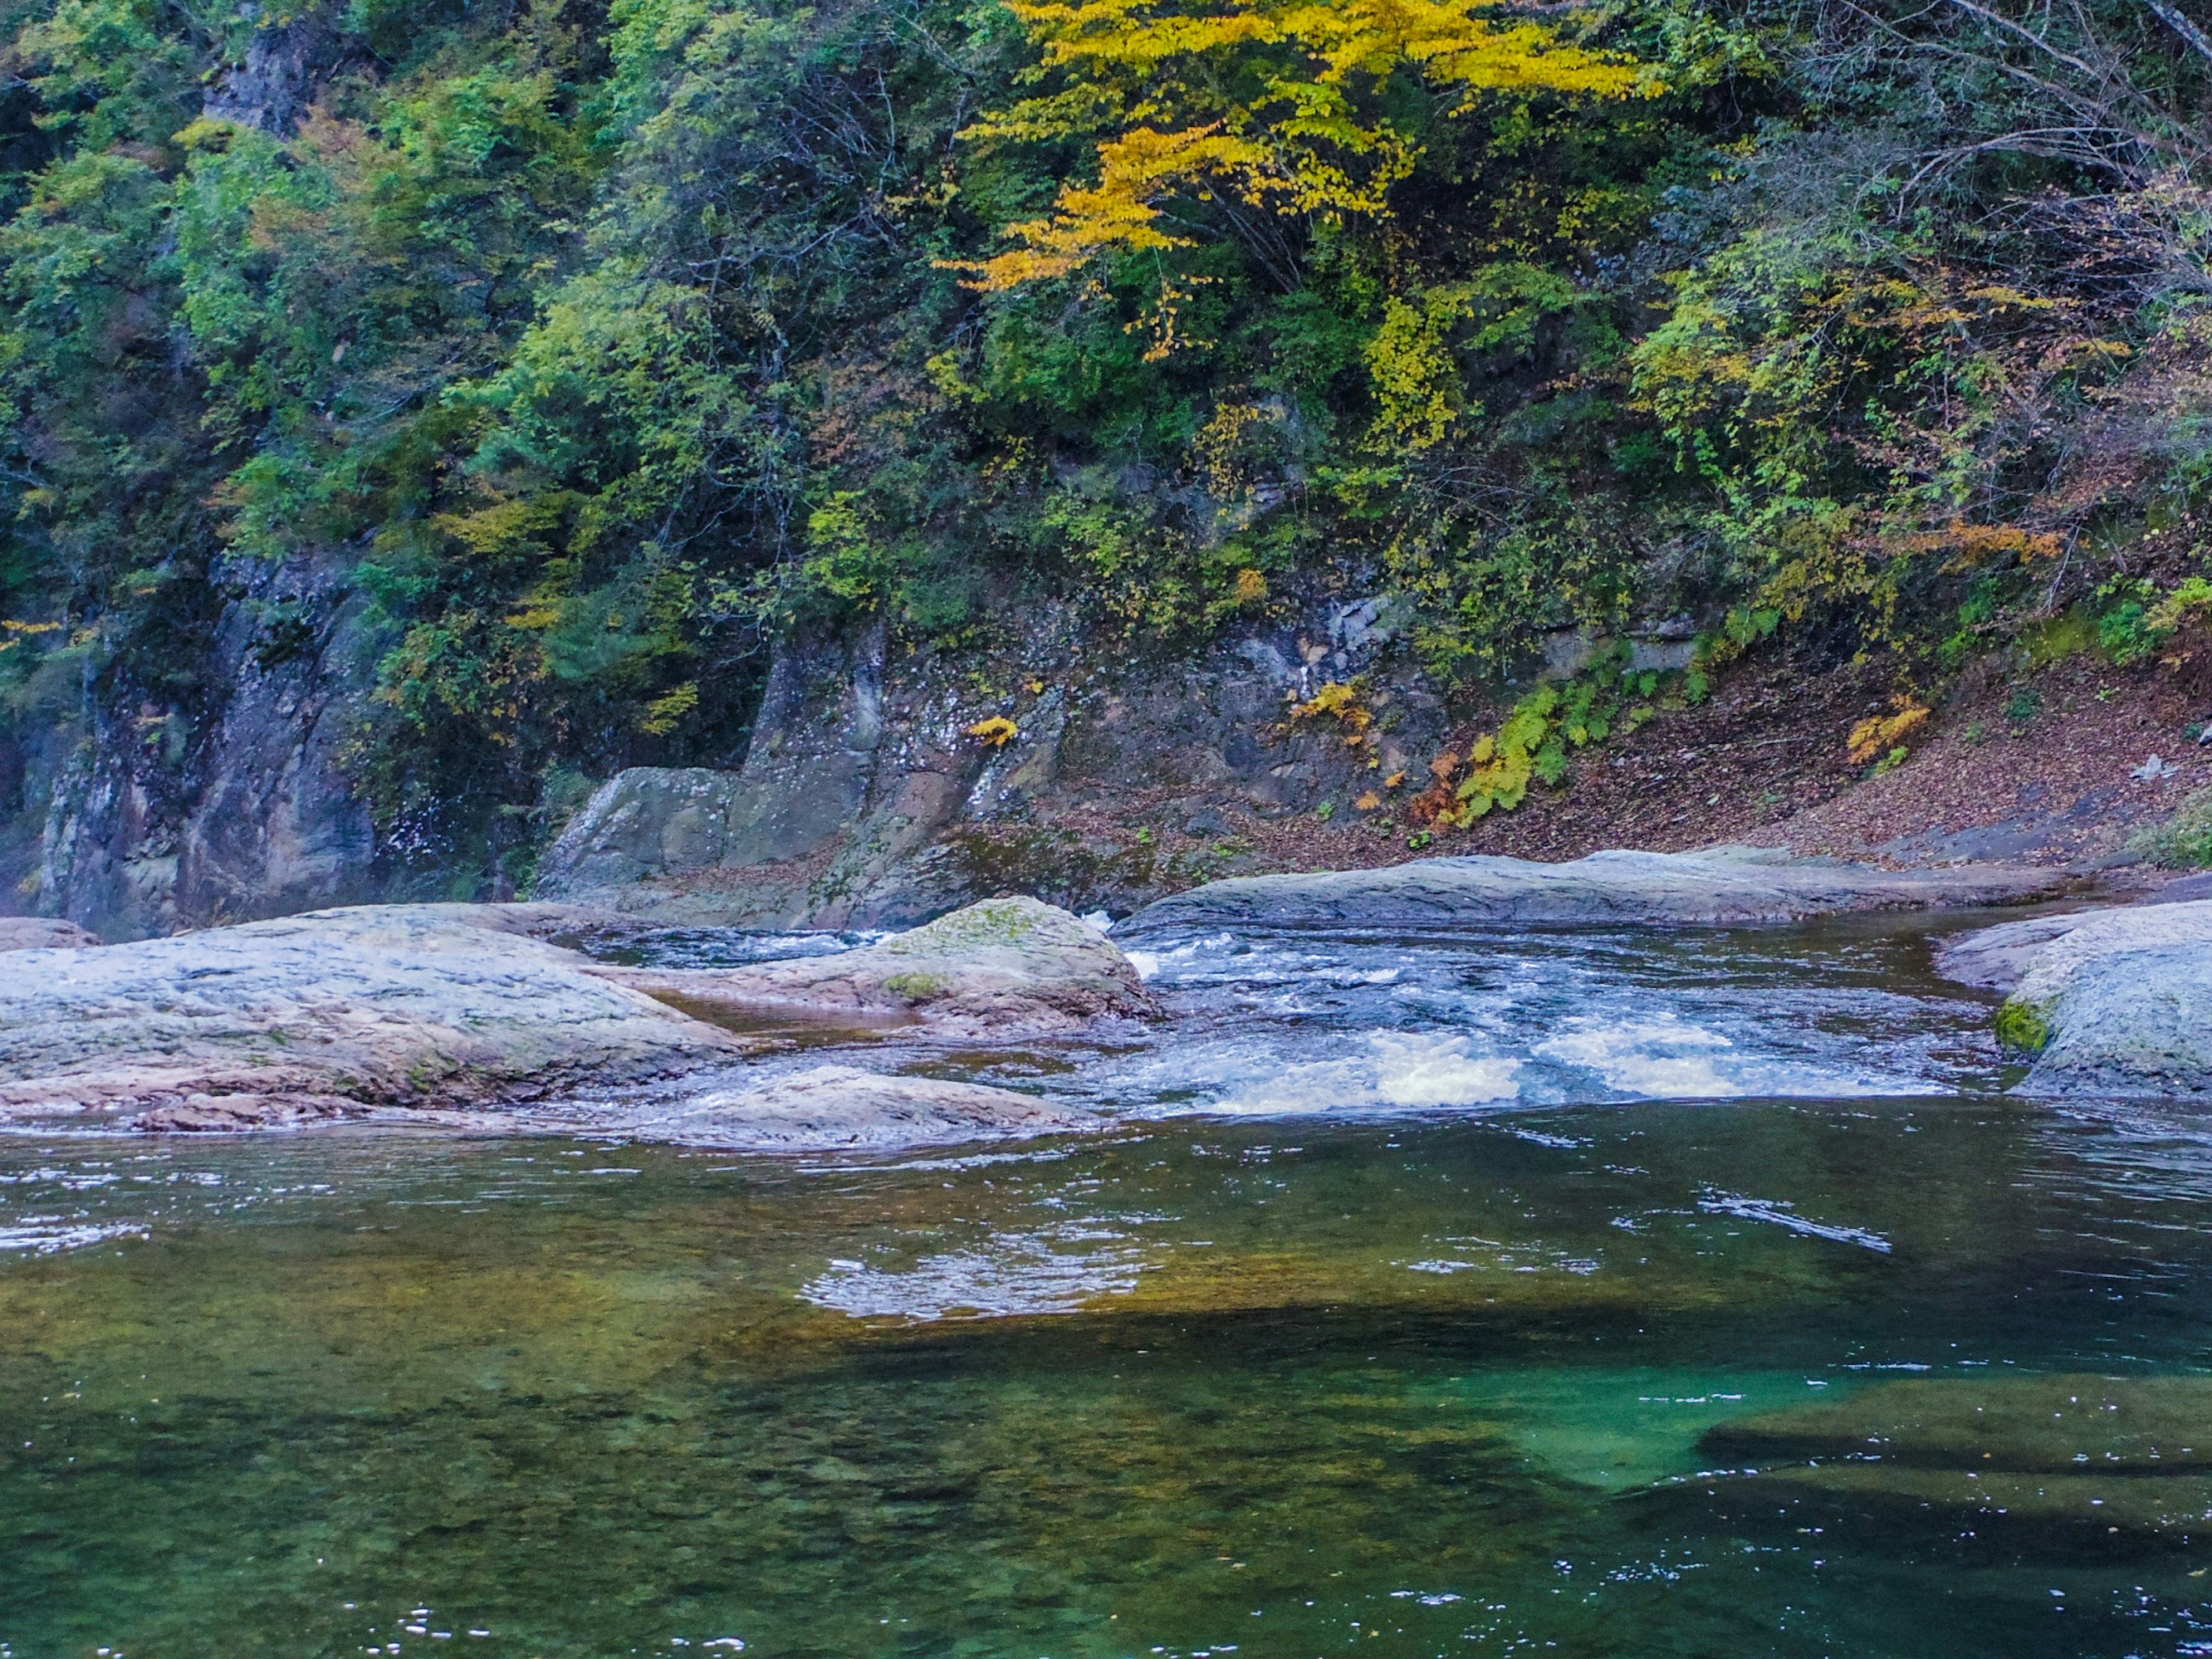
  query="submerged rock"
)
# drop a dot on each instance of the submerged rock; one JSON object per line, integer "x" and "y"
{"x": 398, "y": 1005}
{"x": 2111, "y": 1454}
{"x": 43, "y": 934}
{"x": 2110, "y": 1001}
{"x": 1007, "y": 967}
{"x": 1720, "y": 887}
{"x": 832, "y": 1109}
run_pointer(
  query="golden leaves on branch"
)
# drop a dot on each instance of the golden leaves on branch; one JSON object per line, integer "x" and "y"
{"x": 1883, "y": 734}
{"x": 1147, "y": 79}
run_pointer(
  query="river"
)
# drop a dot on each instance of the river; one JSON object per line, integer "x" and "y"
{"x": 1588, "y": 1294}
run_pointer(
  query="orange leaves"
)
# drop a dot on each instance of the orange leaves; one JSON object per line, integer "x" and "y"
{"x": 1977, "y": 544}
{"x": 1880, "y": 733}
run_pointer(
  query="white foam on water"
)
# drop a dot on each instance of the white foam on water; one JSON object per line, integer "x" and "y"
{"x": 1424, "y": 1069}
{"x": 1369, "y": 1071}
{"x": 45, "y": 1236}
{"x": 1663, "y": 1056}
{"x": 1015, "y": 1274}
{"x": 1779, "y": 1213}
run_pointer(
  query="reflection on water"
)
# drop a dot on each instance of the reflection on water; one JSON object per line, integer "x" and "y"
{"x": 1558, "y": 1370}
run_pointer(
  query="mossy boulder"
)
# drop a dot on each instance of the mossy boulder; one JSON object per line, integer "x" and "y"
{"x": 2110, "y": 1001}
{"x": 1007, "y": 967}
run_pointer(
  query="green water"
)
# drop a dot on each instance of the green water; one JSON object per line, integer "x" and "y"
{"x": 1263, "y": 1388}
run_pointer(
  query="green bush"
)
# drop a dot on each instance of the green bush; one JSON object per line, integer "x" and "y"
{"x": 2184, "y": 842}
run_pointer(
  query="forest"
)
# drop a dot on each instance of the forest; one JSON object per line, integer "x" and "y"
{"x": 598, "y": 345}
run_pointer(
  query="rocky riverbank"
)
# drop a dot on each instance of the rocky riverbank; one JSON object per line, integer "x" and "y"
{"x": 450, "y": 1016}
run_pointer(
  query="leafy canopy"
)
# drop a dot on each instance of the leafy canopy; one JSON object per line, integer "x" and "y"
{"x": 1281, "y": 106}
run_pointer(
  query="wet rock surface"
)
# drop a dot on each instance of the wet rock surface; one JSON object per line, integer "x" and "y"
{"x": 1720, "y": 887}
{"x": 830, "y": 1109}
{"x": 1007, "y": 967}
{"x": 2111, "y": 1002}
{"x": 414, "y": 1013}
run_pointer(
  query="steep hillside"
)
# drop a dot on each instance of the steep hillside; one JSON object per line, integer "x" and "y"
{"x": 418, "y": 413}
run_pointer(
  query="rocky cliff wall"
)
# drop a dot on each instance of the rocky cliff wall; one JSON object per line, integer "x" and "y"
{"x": 867, "y": 799}
{"x": 152, "y": 817}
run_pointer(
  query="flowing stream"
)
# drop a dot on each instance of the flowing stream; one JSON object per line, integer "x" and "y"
{"x": 1596, "y": 1294}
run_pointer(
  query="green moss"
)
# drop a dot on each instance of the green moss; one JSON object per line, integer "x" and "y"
{"x": 918, "y": 987}
{"x": 2022, "y": 1026}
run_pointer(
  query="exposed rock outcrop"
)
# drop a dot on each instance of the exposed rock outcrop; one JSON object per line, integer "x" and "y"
{"x": 417, "y": 1014}
{"x": 392, "y": 1005}
{"x": 2110, "y": 1001}
{"x": 173, "y": 817}
{"x": 1007, "y": 967}
{"x": 1718, "y": 887}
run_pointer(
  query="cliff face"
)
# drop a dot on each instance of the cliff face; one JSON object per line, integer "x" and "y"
{"x": 860, "y": 798}
{"x": 158, "y": 818}
{"x": 866, "y": 798}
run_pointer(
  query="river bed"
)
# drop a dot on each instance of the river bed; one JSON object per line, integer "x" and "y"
{"x": 1588, "y": 1294}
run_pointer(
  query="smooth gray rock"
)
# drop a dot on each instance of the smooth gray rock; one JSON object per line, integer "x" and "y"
{"x": 2114, "y": 1001}
{"x": 399, "y": 1005}
{"x": 2036, "y": 956}
{"x": 829, "y": 1108}
{"x": 1007, "y": 967}
{"x": 1724, "y": 886}
{"x": 43, "y": 934}
{"x": 2131, "y": 1023}
{"x": 805, "y": 779}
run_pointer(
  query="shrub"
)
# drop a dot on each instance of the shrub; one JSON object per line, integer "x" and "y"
{"x": 2184, "y": 842}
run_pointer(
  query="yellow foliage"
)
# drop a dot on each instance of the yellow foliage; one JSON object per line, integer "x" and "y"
{"x": 17, "y": 632}
{"x": 1251, "y": 587}
{"x": 666, "y": 713}
{"x": 1152, "y": 75}
{"x": 998, "y": 730}
{"x": 1345, "y": 702}
{"x": 1370, "y": 802}
{"x": 1879, "y": 732}
{"x": 1394, "y": 780}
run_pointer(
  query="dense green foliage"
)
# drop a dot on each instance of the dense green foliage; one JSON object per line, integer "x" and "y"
{"x": 595, "y": 346}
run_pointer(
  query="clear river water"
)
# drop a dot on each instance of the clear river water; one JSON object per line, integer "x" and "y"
{"x": 1593, "y": 1294}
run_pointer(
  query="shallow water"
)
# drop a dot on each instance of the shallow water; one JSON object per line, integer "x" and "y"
{"x": 1403, "y": 1312}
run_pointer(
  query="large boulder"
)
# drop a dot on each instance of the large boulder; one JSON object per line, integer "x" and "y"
{"x": 43, "y": 934}
{"x": 2108, "y": 1002}
{"x": 312, "y": 1015}
{"x": 1718, "y": 887}
{"x": 1004, "y": 968}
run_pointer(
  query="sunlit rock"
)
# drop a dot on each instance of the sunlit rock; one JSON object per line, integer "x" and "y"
{"x": 1005, "y": 967}
{"x": 1719, "y": 886}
